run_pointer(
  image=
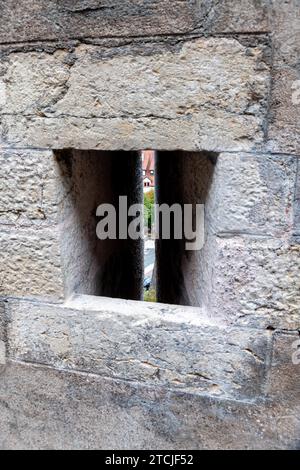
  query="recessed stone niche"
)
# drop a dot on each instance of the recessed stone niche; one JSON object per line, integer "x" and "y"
{"x": 114, "y": 268}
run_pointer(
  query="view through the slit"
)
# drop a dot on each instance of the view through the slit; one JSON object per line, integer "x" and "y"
{"x": 148, "y": 168}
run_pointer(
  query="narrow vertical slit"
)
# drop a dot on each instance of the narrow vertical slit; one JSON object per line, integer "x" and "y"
{"x": 149, "y": 185}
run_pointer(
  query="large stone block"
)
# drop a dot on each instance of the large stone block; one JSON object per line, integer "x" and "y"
{"x": 200, "y": 94}
{"x": 159, "y": 345}
{"x": 252, "y": 281}
{"x": 30, "y": 263}
{"x": 2, "y": 320}
{"x": 251, "y": 195}
{"x": 69, "y": 19}
{"x": 2, "y": 335}
{"x": 297, "y": 203}
{"x": 54, "y": 409}
{"x": 284, "y": 373}
{"x": 286, "y": 32}
{"x": 284, "y": 130}
{"x": 31, "y": 188}
{"x": 297, "y": 217}
{"x": 284, "y": 125}
{"x": 244, "y": 16}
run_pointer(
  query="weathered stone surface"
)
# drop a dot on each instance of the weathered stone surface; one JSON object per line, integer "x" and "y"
{"x": 284, "y": 130}
{"x": 252, "y": 282}
{"x": 232, "y": 16}
{"x": 285, "y": 104}
{"x": 2, "y": 320}
{"x": 284, "y": 373}
{"x": 2, "y": 355}
{"x": 251, "y": 195}
{"x": 31, "y": 188}
{"x": 297, "y": 217}
{"x": 247, "y": 196}
{"x": 286, "y": 32}
{"x": 152, "y": 345}
{"x": 42, "y": 19}
{"x": 297, "y": 203}
{"x": 205, "y": 93}
{"x": 30, "y": 263}
{"x": 2, "y": 335}
{"x": 110, "y": 268}
{"x": 66, "y": 19}
{"x": 284, "y": 127}
{"x": 192, "y": 75}
{"x": 58, "y": 410}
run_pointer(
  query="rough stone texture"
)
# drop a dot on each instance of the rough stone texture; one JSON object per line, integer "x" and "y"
{"x": 231, "y": 16}
{"x": 244, "y": 194}
{"x": 2, "y": 335}
{"x": 297, "y": 217}
{"x": 286, "y": 32}
{"x": 283, "y": 373}
{"x": 250, "y": 218}
{"x": 284, "y": 128}
{"x": 248, "y": 270}
{"x": 252, "y": 282}
{"x": 164, "y": 98}
{"x": 59, "y": 410}
{"x": 252, "y": 195}
{"x": 52, "y": 20}
{"x": 195, "y": 75}
{"x": 31, "y": 192}
{"x": 30, "y": 263}
{"x": 41, "y": 189}
{"x": 42, "y": 19}
{"x": 297, "y": 203}
{"x": 156, "y": 347}
{"x": 111, "y": 268}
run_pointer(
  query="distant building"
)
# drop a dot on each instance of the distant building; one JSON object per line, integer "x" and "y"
{"x": 148, "y": 164}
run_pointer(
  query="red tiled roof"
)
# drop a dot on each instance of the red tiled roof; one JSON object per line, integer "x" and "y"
{"x": 148, "y": 161}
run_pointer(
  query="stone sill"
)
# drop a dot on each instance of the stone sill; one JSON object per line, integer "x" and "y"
{"x": 177, "y": 347}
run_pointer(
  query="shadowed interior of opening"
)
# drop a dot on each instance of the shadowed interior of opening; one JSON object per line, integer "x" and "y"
{"x": 110, "y": 268}
{"x": 182, "y": 178}
{"x": 136, "y": 269}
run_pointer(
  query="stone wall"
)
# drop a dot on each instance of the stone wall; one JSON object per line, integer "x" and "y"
{"x": 213, "y": 87}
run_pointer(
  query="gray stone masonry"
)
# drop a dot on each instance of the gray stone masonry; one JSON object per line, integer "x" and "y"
{"x": 214, "y": 87}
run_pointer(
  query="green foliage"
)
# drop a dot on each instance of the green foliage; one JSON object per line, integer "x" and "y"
{"x": 150, "y": 295}
{"x": 149, "y": 201}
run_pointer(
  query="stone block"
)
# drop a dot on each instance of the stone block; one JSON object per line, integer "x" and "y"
{"x": 284, "y": 373}
{"x": 55, "y": 409}
{"x": 286, "y": 32}
{"x": 208, "y": 94}
{"x": 42, "y": 20}
{"x": 2, "y": 336}
{"x": 157, "y": 345}
{"x": 244, "y": 16}
{"x": 252, "y": 282}
{"x": 67, "y": 19}
{"x": 251, "y": 195}
{"x": 31, "y": 188}
{"x": 284, "y": 127}
{"x": 30, "y": 263}
{"x": 297, "y": 203}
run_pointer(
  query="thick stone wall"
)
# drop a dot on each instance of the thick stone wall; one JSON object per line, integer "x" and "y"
{"x": 213, "y": 86}
{"x": 162, "y": 95}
